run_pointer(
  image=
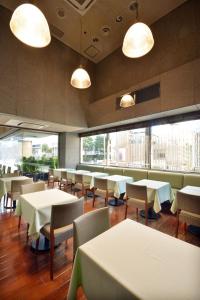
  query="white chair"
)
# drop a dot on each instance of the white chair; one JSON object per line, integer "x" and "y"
{"x": 60, "y": 227}
{"x": 136, "y": 195}
{"x": 89, "y": 225}
{"x": 188, "y": 210}
{"x": 79, "y": 185}
{"x": 33, "y": 187}
{"x": 101, "y": 189}
{"x": 16, "y": 189}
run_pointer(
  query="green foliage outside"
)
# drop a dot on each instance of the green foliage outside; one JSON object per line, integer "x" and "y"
{"x": 32, "y": 165}
{"x": 94, "y": 148}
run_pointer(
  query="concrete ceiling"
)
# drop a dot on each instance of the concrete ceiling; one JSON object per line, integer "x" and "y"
{"x": 8, "y": 122}
{"x": 101, "y": 33}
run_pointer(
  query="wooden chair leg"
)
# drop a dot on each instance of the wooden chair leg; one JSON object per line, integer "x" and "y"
{"x": 185, "y": 231}
{"x": 126, "y": 210}
{"x": 19, "y": 222}
{"x": 137, "y": 214}
{"x": 93, "y": 199}
{"x": 27, "y": 236}
{"x": 106, "y": 201}
{"x": 51, "y": 257}
{"x": 177, "y": 224}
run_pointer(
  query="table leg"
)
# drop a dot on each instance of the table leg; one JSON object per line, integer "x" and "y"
{"x": 44, "y": 244}
{"x": 152, "y": 215}
{"x": 117, "y": 201}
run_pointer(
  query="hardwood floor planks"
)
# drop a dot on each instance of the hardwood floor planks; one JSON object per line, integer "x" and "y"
{"x": 24, "y": 275}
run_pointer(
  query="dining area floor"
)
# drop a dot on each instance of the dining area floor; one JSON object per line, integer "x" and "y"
{"x": 24, "y": 273}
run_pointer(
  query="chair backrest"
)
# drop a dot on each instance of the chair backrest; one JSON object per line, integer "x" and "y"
{"x": 33, "y": 187}
{"x": 78, "y": 178}
{"x": 50, "y": 172}
{"x": 189, "y": 203}
{"x": 64, "y": 174}
{"x": 10, "y": 175}
{"x": 64, "y": 214}
{"x": 4, "y": 169}
{"x": 100, "y": 183}
{"x": 16, "y": 172}
{"x": 9, "y": 170}
{"x": 16, "y": 184}
{"x": 136, "y": 191}
{"x": 89, "y": 225}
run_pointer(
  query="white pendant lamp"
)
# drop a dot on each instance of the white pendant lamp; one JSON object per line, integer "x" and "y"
{"x": 80, "y": 78}
{"x": 138, "y": 40}
{"x": 127, "y": 100}
{"x": 30, "y": 26}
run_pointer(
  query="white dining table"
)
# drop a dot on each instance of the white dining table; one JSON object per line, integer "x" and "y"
{"x": 35, "y": 208}
{"x": 71, "y": 174}
{"x": 117, "y": 183}
{"x": 133, "y": 261}
{"x": 158, "y": 191}
{"x": 88, "y": 178}
{"x": 5, "y": 184}
{"x": 57, "y": 172}
{"x": 190, "y": 190}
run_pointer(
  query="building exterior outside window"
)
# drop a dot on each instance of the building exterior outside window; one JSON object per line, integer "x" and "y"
{"x": 173, "y": 147}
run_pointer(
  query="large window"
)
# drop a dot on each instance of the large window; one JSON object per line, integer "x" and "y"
{"x": 174, "y": 147}
{"x": 30, "y": 150}
{"x": 93, "y": 149}
{"x": 128, "y": 148}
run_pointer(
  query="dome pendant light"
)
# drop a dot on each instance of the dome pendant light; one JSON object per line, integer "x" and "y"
{"x": 30, "y": 26}
{"x": 127, "y": 100}
{"x": 138, "y": 40}
{"x": 80, "y": 78}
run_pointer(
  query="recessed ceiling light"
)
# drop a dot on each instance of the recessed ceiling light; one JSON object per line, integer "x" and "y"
{"x": 60, "y": 12}
{"x": 119, "y": 19}
{"x": 95, "y": 39}
{"x": 105, "y": 30}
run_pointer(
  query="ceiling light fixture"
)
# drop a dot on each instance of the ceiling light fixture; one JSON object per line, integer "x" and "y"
{"x": 80, "y": 78}
{"x": 127, "y": 100}
{"x": 30, "y": 26}
{"x": 138, "y": 40}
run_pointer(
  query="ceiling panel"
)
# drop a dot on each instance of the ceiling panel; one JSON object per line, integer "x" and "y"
{"x": 103, "y": 22}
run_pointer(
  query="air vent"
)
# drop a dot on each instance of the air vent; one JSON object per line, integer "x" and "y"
{"x": 31, "y": 125}
{"x": 56, "y": 31}
{"x": 143, "y": 95}
{"x": 91, "y": 51}
{"x": 81, "y": 6}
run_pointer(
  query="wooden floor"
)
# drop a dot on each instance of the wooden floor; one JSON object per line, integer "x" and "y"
{"x": 24, "y": 275}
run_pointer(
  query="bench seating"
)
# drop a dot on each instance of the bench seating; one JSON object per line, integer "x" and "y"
{"x": 177, "y": 180}
{"x": 191, "y": 179}
{"x": 136, "y": 174}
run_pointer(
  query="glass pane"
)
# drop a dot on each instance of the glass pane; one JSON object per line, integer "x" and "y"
{"x": 93, "y": 149}
{"x": 31, "y": 150}
{"x": 176, "y": 146}
{"x": 128, "y": 148}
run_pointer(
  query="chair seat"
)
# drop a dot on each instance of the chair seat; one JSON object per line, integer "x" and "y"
{"x": 60, "y": 234}
{"x": 86, "y": 186}
{"x": 139, "y": 203}
{"x": 102, "y": 193}
{"x": 189, "y": 218}
{"x": 53, "y": 178}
